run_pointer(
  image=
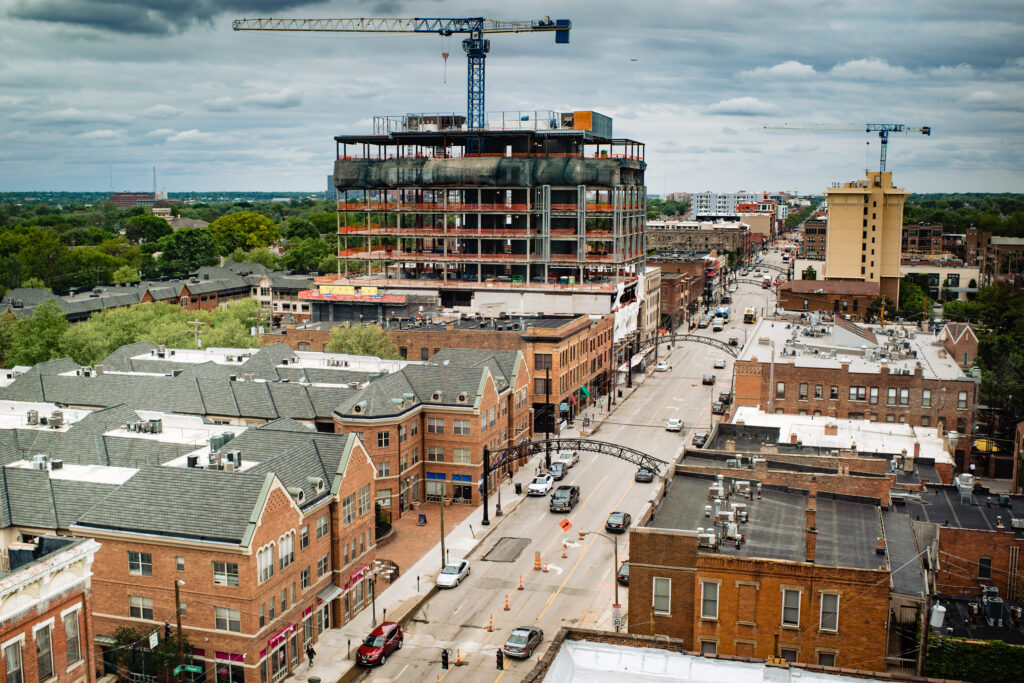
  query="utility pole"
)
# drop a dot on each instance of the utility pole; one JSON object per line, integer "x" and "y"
{"x": 195, "y": 330}
{"x": 551, "y": 414}
{"x": 444, "y": 492}
{"x": 177, "y": 615}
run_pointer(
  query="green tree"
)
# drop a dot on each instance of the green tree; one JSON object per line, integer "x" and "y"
{"x": 873, "y": 312}
{"x": 11, "y": 271}
{"x": 155, "y": 662}
{"x": 43, "y": 255}
{"x": 187, "y": 250}
{"x": 36, "y": 339}
{"x": 327, "y": 222}
{"x": 264, "y": 257}
{"x": 296, "y": 228}
{"x": 362, "y": 340}
{"x": 33, "y": 283}
{"x": 809, "y": 273}
{"x": 245, "y": 230}
{"x": 307, "y": 254}
{"x": 125, "y": 274}
{"x": 146, "y": 229}
{"x": 914, "y": 302}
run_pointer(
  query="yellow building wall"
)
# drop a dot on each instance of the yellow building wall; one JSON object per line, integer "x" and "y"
{"x": 865, "y": 219}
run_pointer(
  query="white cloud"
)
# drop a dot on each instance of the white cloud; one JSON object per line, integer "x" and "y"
{"x": 162, "y": 111}
{"x": 790, "y": 70}
{"x": 960, "y": 71}
{"x": 224, "y": 103}
{"x": 161, "y": 133}
{"x": 742, "y": 106}
{"x": 869, "y": 70}
{"x": 284, "y": 99}
{"x": 72, "y": 115}
{"x": 102, "y": 134}
{"x": 194, "y": 135}
{"x": 982, "y": 97}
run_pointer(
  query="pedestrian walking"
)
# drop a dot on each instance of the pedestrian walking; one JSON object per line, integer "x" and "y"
{"x": 310, "y": 653}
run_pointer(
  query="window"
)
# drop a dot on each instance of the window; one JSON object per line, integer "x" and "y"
{"x": 304, "y": 537}
{"x": 826, "y": 659}
{"x": 904, "y": 397}
{"x": 348, "y": 509}
{"x": 788, "y": 653}
{"x": 323, "y": 565}
{"x": 263, "y": 615}
{"x": 435, "y": 454}
{"x": 926, "y": 421}
{"x": 273, "y": 608}
{"x": 890, "y": 398}
{"x": 72, "y": 640}
{"x": 179, "y": 563}
{"x": 304, "y": 578}
{"x": 140, "y": 563}
{"x": 364, "y": 500}
{"x": 790, "y": 607}
{"x": 803, "y": 391}
{"x": 926, "y": 398}
{"x": 662, "y": 595}
{"x": 461, "y": 456}
{"x": 961, "y": 400}
{"x": 383, "y": 439}
{"x": 139, "y": 607}
{"x": 44, "y": 653}
{"x": 403, "y": 434}
{"x": 873, "y": 395}
{"x": 984, "y": 567}
{"x": 321, "y": 526}
{"x": 542, "y": 361}
{"x": 708, "y": 647}
{"x": 414, "y": 429}
{"x": 460, "y": 427}
{"x": 858, "y": 393}
{"x": 12, "y": 655}
{"x": 227, "y": 619}
{"x": 225, "y": 574}
{"x": 284, "y": 600}
{"x": 817, "y": 391}
{"x": 833, "y": 392}
{"x": 829, "y": 612}
{"x": 709, "y": 600}
{"x": 780, "y": 390}
{"x": 265, "y": 563}
{"x": 435, "y": 425}
{"x": 384, "y": 498}
{"x": 383, "y": 469}
{"x": 287, "y": 549}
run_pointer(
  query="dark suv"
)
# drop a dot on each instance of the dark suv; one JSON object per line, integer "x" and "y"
{"x": 564, "y": 498}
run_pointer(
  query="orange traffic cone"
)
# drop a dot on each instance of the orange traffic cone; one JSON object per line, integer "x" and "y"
{"x": 520, "y": 586}
{"x": 545, "y": 564}
{"x": 490, "y": 624}
{"x": 506, "y": 602}
{"x": 563, "y": 552}
{"x": 458, "y": 658}
{"x": 536, "y": 562}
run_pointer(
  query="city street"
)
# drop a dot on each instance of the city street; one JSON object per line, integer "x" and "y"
{"x": 579, "y": 589}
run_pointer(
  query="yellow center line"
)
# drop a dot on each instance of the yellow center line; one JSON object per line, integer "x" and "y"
{"x": 499, "y": 676}
{"x": 576, "y": 512}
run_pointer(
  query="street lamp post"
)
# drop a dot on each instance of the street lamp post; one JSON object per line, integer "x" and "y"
{"x": 177, "y": 614}
{"x": 615, "y": 568}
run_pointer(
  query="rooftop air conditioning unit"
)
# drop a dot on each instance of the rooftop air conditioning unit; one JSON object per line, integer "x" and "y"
{"x": 33, "y": 417}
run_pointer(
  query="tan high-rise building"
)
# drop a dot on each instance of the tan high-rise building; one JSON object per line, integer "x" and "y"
{"x": 865, "y": 226}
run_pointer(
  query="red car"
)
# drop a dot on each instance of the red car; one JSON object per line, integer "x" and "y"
{"x": 381, "y": 642}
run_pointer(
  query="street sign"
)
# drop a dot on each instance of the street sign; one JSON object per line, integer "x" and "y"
{"x": 177, "y": 670}
{"x": 154, "y": 640}
{"x": 193, "y": 669}
{"x": 565, "y": 524}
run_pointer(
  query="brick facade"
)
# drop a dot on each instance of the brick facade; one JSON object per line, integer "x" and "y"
{"x": 960, "y": 570}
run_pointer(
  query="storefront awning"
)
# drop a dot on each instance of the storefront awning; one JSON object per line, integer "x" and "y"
{"x": 329, "y": 593}
{"x": 109, "y": 641}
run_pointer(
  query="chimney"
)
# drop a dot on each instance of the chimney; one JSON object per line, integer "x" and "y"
{"x": 792, "y": 438}
{"x": 845, "y": 365}
{"x": 811, "y": 531}
{"x": 831, "y": 429}
{"x": 917, "y": 450}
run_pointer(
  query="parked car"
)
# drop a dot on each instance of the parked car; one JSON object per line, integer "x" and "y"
{"x": 733, "y": 287}
{"x": 568, "y": 458}
{"x": 725, "y": 397}
{"x": 661, "y": 367}
{"x": 564, "y": 498}
{"x": 622, "y": 576}
{"x": 523, "y": 641}
{"x": 674, "y": 424}
{"x": 703, "y": 323}
{"x": 718, "y": 408}
{"x": 453, "y": 573}
{"x": 558, "y": 470}
{"x": 699, "y": 439}
{"x": 708, "y": 379}
{"x": 618, "y": 522}
{"x": 720, "y": 363}
{"x": 644, "y": 475}
{"x": 734, "y": 341}
{"x": 541, "y": 485}
{"x": 381, "y": 642}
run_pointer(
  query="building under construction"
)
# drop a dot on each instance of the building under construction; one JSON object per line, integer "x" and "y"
{"x": 534, "y": 203}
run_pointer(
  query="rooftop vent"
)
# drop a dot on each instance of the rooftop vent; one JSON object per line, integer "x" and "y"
{"x": 462, "y": 397}
{"x": 317, "y": 483}
{"x": 297, "y": 493}
{"x": 436, "y": 396}
{"x": 359, "y": 407}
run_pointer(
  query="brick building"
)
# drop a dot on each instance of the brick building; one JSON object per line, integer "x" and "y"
{"x": 922, "y": 239}
{"x": 425, "y": 426}
{"x": 834, "y": 297}
{"x": 680, "y": 294}
{"x": 46, "y": 626}
{"x": 812, "y": 246}
{"x": 846, "y": 370}
{"x": 699, "y": 236}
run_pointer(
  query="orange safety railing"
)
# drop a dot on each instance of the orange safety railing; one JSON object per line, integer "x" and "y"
{"x": 472, "y": 155}
{"x": 504, "y": 207}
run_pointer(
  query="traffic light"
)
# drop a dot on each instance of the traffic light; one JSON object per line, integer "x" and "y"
{"x": 444, "y": 659}
{"x": 500, "y": 657}
{"x": 167, "y": 631}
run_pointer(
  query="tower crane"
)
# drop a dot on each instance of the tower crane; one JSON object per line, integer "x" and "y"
{"x": 883, "y": 130}
{"x": 475, "y": 45}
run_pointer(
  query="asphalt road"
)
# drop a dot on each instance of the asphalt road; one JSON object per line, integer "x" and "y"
{"x": 576, "y": 590}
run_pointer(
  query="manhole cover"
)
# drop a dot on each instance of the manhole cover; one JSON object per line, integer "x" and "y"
{"x": 507, "y": 549}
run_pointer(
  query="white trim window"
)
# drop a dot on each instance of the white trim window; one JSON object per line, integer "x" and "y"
{"x": 265, "y": 563}
{"x": 72, "y": 638}
{"x": 829, "y": 618}
{"x": 227, "y": 619}
{"x": 140, "y": 564}
{"x": 12, "y": 658}
{"x": 44, "y": 652}
{"x": 709, "y": 600}
{"x": 286, "y": 549}
{"x": 140, "y": 607}
{"x": 790, "y": 607}
{"x": 225, "y": 573}
{"x": 661, "y": 595}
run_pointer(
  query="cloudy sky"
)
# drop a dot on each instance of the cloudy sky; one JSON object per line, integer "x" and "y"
{"x": 94, "y": 93}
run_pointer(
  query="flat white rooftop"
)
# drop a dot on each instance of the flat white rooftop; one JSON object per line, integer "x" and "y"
{"x": 904, "y": 349}
{"x": 864, "y": 435}
{"x": 584, "y": 661}
{"x": 302, "y": 359}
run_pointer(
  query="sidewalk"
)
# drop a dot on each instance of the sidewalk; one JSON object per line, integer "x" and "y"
{"x": 403, "y": 598}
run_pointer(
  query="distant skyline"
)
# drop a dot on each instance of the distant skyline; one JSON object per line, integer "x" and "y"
{"x": 95, "y": 93}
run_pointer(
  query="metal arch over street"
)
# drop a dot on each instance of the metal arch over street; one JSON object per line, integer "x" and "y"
{"x": 683, "y": 338}
{"x": 773, "y": 288}
{"x": 493, "y": 460}
{"x": 772, "y": 266}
